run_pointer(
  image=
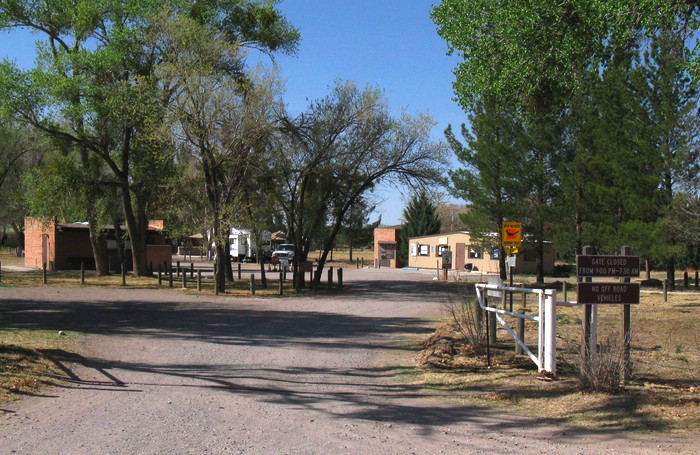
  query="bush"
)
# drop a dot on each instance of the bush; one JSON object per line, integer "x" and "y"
{"x": 466, "y": 315}
{"x": 604, "y": 372}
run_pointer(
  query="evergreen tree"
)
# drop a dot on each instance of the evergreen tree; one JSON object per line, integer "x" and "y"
{"x": 490, "y": 180}
{"x": 672, "y": 102}
{"x": 420, "y": 218}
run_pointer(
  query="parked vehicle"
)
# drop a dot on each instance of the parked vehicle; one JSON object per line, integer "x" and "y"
{"x": 242, "y": 245}
{"x": 284, "y": 251}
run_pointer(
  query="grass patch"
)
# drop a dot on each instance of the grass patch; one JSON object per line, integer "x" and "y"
{"x": 25, "y": 360}
{"x": 663, "y": 395}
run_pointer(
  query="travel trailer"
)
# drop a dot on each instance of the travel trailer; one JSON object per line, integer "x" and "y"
{"x": 242, "y": 246}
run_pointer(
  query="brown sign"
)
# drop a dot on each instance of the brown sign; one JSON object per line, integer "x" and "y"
{"x": 608, "y": 293}
{"x": 600, "y": 266}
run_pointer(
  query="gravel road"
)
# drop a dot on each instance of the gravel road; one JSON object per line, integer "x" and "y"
{"x": 165, "y": 372}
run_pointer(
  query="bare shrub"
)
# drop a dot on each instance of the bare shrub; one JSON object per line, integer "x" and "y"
{"x": 463, "y": 309}
{"x": 605, "y": 370}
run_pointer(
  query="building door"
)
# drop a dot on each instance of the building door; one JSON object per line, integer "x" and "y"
{"x": 387, "y": 253}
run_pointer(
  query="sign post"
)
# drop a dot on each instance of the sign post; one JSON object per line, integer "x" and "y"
{"x": 511, "y": 241}
{"x": 592, "y": 293}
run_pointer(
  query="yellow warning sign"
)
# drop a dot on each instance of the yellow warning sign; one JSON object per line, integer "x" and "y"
{"x": 512, "y": 234}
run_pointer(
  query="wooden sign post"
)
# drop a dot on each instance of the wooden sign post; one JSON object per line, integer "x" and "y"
{"x": 592, "y": 293}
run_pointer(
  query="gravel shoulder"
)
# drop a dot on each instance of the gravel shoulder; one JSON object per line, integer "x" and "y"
{"x": 166, "y": 372}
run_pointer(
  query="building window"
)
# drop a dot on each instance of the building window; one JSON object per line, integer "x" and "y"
{"x": 423, "y": 250}
{"x": 414, "y": 249}
{"x": 475, "y": 253}
{"x": 442, "y": 248}
{"x": 496, "y": 253}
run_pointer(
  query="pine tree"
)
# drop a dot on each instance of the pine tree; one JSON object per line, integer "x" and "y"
{"x": 491, "y": 179}
{"x": 420, "y": 218}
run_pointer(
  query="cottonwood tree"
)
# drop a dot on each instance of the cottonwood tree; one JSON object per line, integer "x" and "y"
{"x": 97, "y": 85}
{"x": 222, "y": 122}
{"x": 337, "y": 151}
{"x": 20, "y": 152}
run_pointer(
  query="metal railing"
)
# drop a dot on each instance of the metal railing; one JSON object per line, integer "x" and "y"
{"x": 546, "y": 319}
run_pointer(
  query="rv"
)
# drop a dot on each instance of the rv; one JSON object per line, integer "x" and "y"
{"x": 242, "y": 246}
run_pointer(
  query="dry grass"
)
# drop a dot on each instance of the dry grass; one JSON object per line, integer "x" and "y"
{"x": 663, "y": 395}
{"x": 25, "y": 360}
{"x": 342, "y": 256}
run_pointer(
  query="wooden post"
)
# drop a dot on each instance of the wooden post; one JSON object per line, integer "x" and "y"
{"x": 263, "y": 277}
{"x": 191, "y": 268}
{"x": 170, "y": 278}
{"x": 0, "y": 271}
{"x": 281, "y": 283}
{"x": 340, "y": 276}
{"x": 239, "y": 270}
{"x": 123, "y": 275}
{"x": 43, "y": 273}
{"x": 665, "y": 290}
{"x": 330, "y": 276}
{"x": 216, "y": 284}
{"x": 626, "y": 325}
{"x": 587, "y": 316}
{"x": 184, "y": 279}
{"x": 160, "y": 275}
{"x": 524, "y": 297}
{"x": 82, "y": 272}
{"x": 109, "y": 264}
{"x": 178, "y": 269}
{"x": 565, "y": 288}
{"x": 199, "y": 280}
{"x": 696, "y": 279}
{"x": 685, "y": 279}
{"x": 252, "y": 284}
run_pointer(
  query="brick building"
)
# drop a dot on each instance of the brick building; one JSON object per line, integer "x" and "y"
{"x": 67, "y": 245}
{"x": 386, "y": 241}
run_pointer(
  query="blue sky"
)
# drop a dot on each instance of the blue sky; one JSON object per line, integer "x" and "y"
{"x": 390, "y": 44}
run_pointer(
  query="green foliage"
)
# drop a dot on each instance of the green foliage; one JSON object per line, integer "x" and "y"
{"x": 419, "y": 218}
{"x": 512, "y": 50}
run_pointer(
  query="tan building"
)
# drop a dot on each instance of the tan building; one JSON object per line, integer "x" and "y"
{"x": 426, "y": 252}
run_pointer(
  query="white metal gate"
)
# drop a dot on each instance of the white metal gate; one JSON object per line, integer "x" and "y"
{"x": 546, "y": 318}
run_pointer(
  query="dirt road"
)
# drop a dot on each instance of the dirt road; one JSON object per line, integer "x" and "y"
{"x": 164, "y": 372}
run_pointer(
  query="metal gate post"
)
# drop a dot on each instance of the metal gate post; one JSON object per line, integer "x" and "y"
{"x": 550, "y": 335}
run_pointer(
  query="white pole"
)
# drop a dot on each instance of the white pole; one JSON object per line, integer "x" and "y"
{"x": 550, "y": 337}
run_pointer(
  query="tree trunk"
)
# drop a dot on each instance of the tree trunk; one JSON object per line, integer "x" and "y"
{"x": 137, "y": 225}
{"x": 220, "y": 277}
{"x": 97, "y": 238}
{"x": 647, "y": 264}
{"x": 99, "y": 248}
{"x": 671, "y": 273}
{"x": 350, "y": 252}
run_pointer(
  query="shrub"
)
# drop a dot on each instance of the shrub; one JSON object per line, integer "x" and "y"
{"x": 604, "y": 371}
{"x": 466, "y": 315}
